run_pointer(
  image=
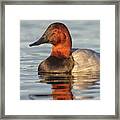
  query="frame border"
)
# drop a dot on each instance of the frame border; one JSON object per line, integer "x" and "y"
{"x": 66, "y": 2}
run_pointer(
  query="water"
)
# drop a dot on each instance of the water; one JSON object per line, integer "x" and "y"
{"x": 85, "y": 34}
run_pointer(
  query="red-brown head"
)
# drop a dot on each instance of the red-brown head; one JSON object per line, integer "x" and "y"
{"x": 58, "y": 35}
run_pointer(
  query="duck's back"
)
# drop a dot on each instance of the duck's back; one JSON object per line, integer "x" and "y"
{"x": 86, "y": 60}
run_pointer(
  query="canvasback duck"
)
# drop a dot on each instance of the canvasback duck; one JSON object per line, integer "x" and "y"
{"x": 63, "y": 59}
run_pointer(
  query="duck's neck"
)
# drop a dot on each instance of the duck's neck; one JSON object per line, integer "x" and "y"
{"x": 62, "y": 50}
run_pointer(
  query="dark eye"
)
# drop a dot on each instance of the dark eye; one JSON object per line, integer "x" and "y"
{"x": 52, "y": 34}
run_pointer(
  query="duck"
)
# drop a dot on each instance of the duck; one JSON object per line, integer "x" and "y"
{"x": 64, "y": 59}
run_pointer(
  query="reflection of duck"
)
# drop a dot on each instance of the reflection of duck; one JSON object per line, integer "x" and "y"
{"x": 61, "y": 85}
{"x": 67, "y": 87}
{"x": 62, "y": 60}
{"x": 62, "y": 91}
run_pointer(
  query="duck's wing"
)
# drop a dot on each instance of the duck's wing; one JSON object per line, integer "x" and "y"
{"x": 86, "y": 60}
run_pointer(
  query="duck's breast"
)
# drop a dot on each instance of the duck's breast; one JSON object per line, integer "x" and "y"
{"x": 56, "y": 65}
{"x": 86, "y": 60}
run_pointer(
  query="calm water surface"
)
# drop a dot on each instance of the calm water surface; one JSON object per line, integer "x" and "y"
{"x": 85, "y": 34}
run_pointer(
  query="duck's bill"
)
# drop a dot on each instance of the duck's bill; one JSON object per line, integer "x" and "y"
{"x": 39, "y": 42}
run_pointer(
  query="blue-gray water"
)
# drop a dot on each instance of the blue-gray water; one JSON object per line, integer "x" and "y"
{"x": 85, "y": 34}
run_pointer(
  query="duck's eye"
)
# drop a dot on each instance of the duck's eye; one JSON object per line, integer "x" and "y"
{"x": 52, "y": 38}
{"x": 52, "y": 34}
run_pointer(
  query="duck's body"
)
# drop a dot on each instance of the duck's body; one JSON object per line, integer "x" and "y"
{"x": 62, "y": 59}
{"x": 86, "y": 60}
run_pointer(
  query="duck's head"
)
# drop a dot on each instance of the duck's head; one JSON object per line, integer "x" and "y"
{"x": 58, "y": 35}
